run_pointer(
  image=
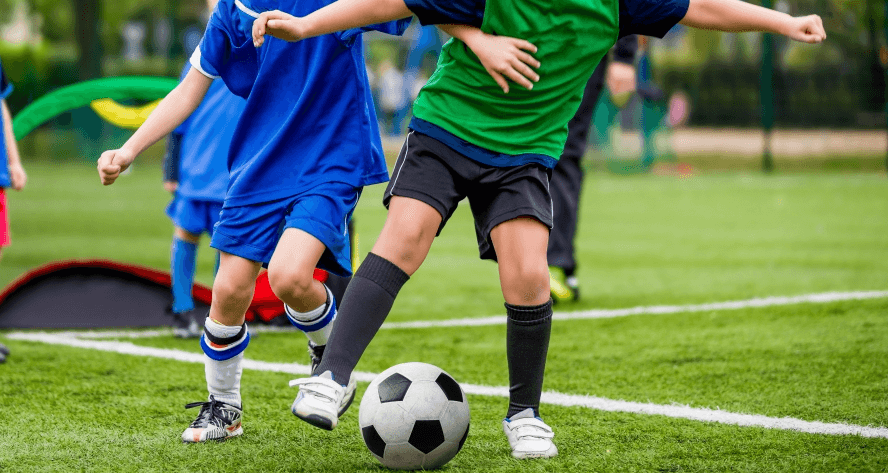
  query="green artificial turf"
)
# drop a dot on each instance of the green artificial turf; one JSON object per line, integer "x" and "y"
{"x": 643, "y": 240}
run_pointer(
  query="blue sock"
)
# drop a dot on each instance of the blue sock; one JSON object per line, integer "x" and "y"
{"x": 183, "y": 261}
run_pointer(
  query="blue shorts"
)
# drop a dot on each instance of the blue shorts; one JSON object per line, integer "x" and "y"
{"x": 252, "y": 231}
{"x": 194, "y": 216}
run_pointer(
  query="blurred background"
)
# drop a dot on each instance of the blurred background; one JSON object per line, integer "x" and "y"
{"x": 711, "y": 102}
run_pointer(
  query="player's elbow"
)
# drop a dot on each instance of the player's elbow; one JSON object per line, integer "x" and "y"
{"x": 703, "y": 14}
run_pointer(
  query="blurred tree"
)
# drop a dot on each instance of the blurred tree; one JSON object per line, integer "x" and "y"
{"x": 86, "y": 34}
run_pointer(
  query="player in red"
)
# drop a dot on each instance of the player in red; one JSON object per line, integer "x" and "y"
{"x": 12, "y": 174}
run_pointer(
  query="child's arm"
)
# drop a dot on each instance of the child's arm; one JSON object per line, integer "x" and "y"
{"x": 500, "y": 55}
{"x": 16, "y": 171}
{"x": 169, "y": 114}
{"x": 338, "y": 16}
{"x": 737, "y": 16}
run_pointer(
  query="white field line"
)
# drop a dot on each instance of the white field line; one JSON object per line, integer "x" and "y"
{"x": 821, "y": 298}
{"x": 560, "y": 399}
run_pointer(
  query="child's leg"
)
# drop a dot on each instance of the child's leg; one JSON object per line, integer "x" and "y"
{"x": 224, "y": 341}
{"x": 225, "y": 336}
{"x": 290, "y": 275}
{"x": 403, "y": 245}
{"x": 4, "y": 222}
{"x": 419, "y": 201}
{"x": 183, "y": 259}
{"x": 521, "y": 250}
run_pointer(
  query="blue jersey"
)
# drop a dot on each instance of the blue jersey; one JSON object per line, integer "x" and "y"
{"x": 309, "y": 115}
{"x": 5, "y": 90}
{"x": 203, "y": 144}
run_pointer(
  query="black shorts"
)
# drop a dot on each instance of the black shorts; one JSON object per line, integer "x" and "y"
{"x": 432, "y": 172}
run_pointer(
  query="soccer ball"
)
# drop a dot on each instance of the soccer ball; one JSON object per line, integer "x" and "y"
{"x": 414, "y": 415}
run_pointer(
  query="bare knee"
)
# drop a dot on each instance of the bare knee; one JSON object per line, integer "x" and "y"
{"x": 228, "y": 291}
{"x": 289, "y": 283}
{"x": 405, "y": 246}
{"x": 525, "y": 284}
{"x": 409, "y": 250}
{"x": 185, "y": 235}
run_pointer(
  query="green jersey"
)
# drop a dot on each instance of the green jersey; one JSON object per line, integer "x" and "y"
{"x": 572, "y": 36}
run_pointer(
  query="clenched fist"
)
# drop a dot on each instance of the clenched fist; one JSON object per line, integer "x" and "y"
{"x": 112, "y": 163}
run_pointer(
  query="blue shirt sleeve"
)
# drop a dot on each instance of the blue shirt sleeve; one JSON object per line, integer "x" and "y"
{"x": 395, "y": 28}
{"x": 443, "y": 12}
{"x": 226, "y": 50}
{"x": 5, "y": 85}
{"x": 650, "y": 17}
{"x": 209, "y": 57}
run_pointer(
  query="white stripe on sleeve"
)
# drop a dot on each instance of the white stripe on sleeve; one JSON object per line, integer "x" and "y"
{"x": 195, "y": 63}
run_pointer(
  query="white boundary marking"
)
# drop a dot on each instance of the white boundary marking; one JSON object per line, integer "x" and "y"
{"x": 821, "y": 298}
{"x": 549, "y": 397}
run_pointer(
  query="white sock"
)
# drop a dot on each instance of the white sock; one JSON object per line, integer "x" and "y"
{"x": 224, "y": 376}
{"x": 315, "y": 323}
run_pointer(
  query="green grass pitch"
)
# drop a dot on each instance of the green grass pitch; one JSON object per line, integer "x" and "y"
{"x": 643, "y": 241}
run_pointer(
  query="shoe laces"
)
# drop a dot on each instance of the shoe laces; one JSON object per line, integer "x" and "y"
{"x": 211, "y": 413}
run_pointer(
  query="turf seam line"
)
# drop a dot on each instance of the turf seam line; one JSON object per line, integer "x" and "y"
{"x": 549, "y": 397}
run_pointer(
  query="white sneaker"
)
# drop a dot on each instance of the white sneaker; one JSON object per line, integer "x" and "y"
{"x": 529, "y": 436}
{"x": 321, "y": 400}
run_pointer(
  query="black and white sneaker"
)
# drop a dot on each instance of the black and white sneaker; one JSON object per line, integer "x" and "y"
{"x": 216, "y": 421}
{"x": 186, "y": 325}
{"x": 316, "y": 353}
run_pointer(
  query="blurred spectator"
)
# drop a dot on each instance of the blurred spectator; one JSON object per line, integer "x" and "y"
{"x": 12, "y": 174}
{"x": 425, "y": 41}
{"x": 392, "y": 97}
{"x": 618, "y": 74}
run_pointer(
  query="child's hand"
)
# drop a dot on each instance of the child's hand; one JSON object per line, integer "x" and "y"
{"x": 112, "y": 163}
{"x": 620, "y": 78}
{"x": 170, "y": 186}
{"x": 807, "y": 29}
{"x": 278, "y": 24}
{"x": 504, "y": 56}
{"x": 17, "y": 176}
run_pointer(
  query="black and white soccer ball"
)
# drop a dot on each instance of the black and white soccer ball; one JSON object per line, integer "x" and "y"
{"x": 413, "y": 416}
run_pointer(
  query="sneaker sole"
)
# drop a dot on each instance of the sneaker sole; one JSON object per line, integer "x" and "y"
{"x": 228, "y": 435}
{"x": 347, "y": 404}
{"x": 530, "y": 456}
{"x": 317, "y": 421}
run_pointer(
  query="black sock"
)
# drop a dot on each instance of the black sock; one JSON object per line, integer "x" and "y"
{"x": 365, "y": 305}
{"x": 527, "y": 343}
